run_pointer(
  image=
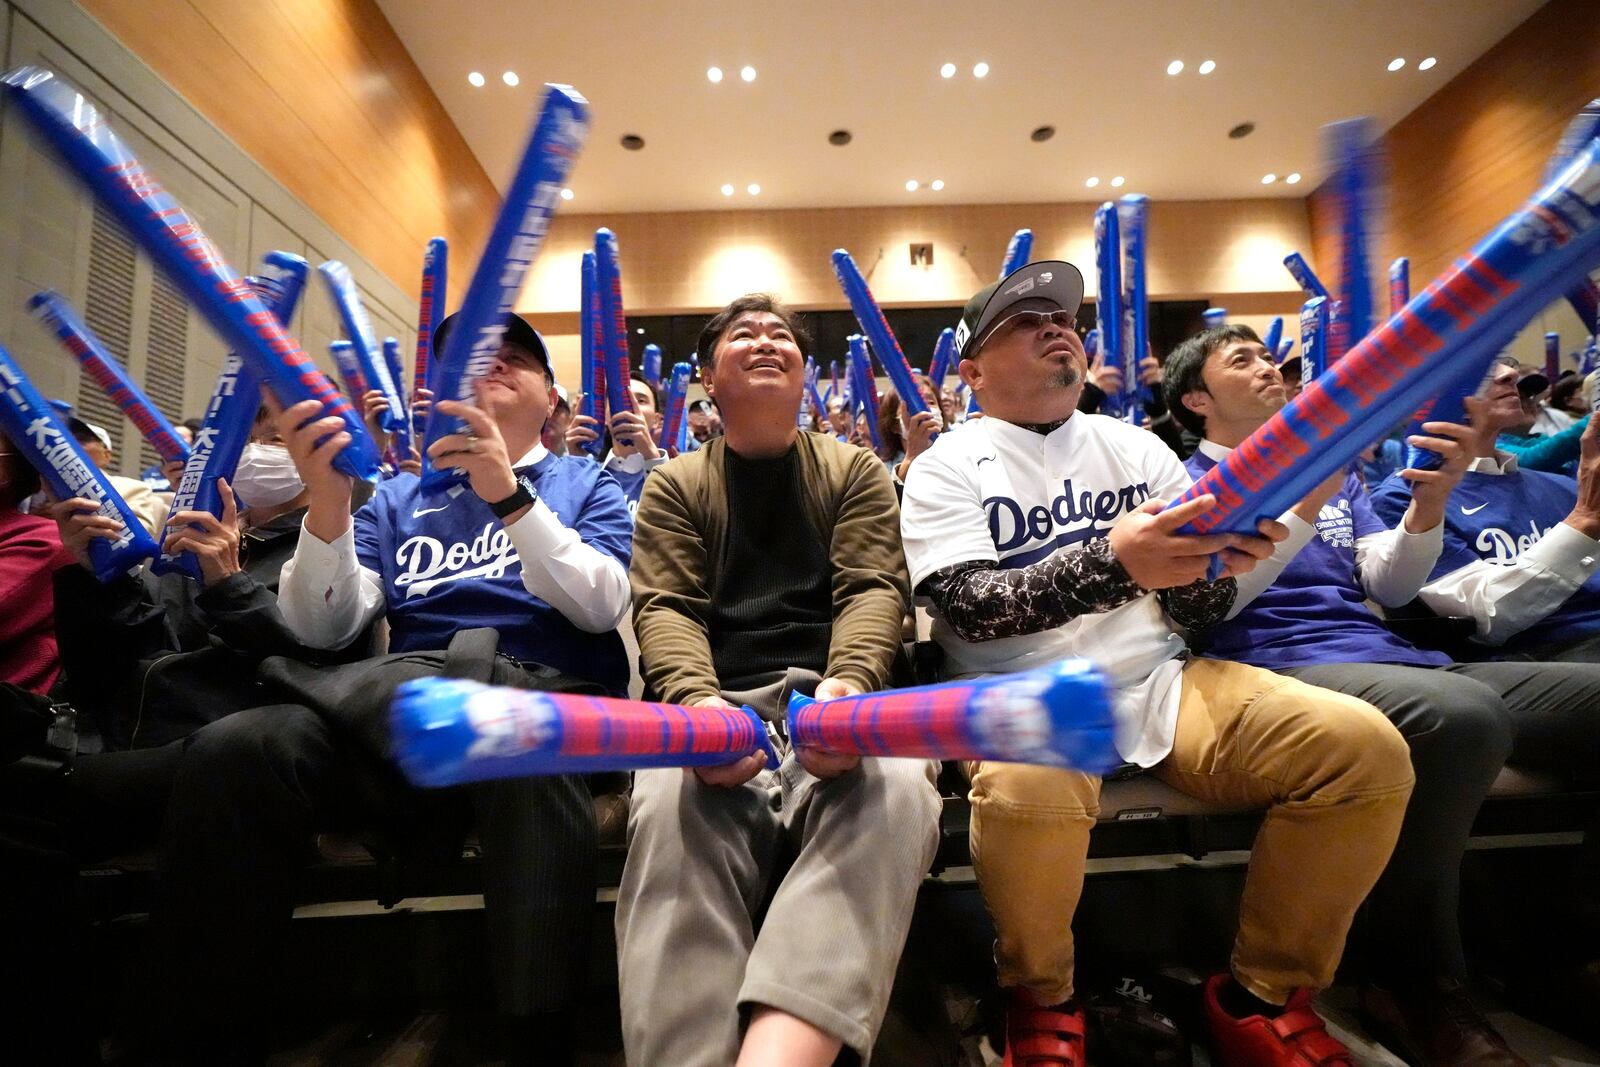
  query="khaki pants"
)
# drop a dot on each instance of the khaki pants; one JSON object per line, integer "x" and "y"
{"x": 1332, "y": 772}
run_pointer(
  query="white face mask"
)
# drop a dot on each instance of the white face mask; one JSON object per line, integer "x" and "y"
{"x": 266, "y": 477}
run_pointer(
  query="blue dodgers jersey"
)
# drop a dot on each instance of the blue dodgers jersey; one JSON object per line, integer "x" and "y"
{"x": 448, "y": 564}
{"x": 1495, "y": 518}
{"x": 1316, "y": 612}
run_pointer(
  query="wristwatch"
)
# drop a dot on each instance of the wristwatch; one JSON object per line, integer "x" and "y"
{"x": 525, "y": 495}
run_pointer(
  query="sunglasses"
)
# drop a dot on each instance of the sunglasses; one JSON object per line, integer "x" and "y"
{"x": 1021, "y": 322}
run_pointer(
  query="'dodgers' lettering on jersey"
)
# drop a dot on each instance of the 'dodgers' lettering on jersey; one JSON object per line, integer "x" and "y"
{"x": 425, "y": 562}
{"x": 1504, "y": 546}
{"x": 1012, "y": 528}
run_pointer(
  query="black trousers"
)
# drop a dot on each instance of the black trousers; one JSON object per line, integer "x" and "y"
{"x": 252, "y": 787}
{"x": 1463, "y": 723}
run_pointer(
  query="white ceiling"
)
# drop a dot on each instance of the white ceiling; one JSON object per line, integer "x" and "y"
{"x": 1094, "y": 69}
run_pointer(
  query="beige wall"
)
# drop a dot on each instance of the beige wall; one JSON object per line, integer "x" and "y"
{"x": 1229, "y": 252}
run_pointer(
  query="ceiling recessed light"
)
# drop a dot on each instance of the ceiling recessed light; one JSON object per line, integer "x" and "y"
{"x": 566, "y": 194}
{"x": 510, "y": 78}
{"x": 727, "y": 190}
{"x": 753, "y": 189}
{"x": 947, "y": 71}
{"x": 476, "y": 79}
{"x": 1427, "y": 64}
{"x": 1268, "y": 179}
{"x": 1092, "y": 182}
{"x": 1396, "y": 63}
{"x": 747, "y": 73}
{"x": 839, "y": 137}
{"x": 639, "y": 330}
{"x": 981, "y": 70}
{"x": 632, "y": 142}
{"x": 1175, "y": 67}
{"x": 1293, "y": 179}
{"x": 1116, "y": 183}
{"x": 1208, "y": 66}
{"x": 937, "y": 184}
{"x": 911, "y": 186}
{"x": 713, "y": 74}
{"x": 1043, "y": 133}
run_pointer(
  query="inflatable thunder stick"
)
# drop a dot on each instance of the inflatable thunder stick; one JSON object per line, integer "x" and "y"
{"x": 1108, "y": 304}
{"x": 1552, "y": 356}
{"x": 1019, "y": 253}
{"x": 519, "y": 230}
{"x": 1214, "y": 317}
{"x": 1350, "y": 147}
{"x": 1584, "y": 127}
{"x": 1133, "y": 218}
{"x": 1449, "y": 332}
{"x": 1274, "y": 336}
{"x": 677, "y": 392}
{"x": 229, "y": 417}
{"x": 54, "y": 311}
{"x": 351, "y": 375}
{"x": 449, "y": 731}
{"x": 391, "y": 359}
{"x": 591, "y": 366}
{"x": 430, "y": 312}
{"x": 1057, "y": 716}
{"x": 939, "y": 367}
{"x": 1399, "y": 284}
{"x": 1303, "y": 275}
{"x": 78, "y": 132}
{"x": 864, "y": 388}
{"x": 650, "y": 365}
{"x": 613, "y": 324}
{"x": 1284, "y": 347}
{"x": 1313, "y": 337}
{"x": 876, "y": 329}
{"x": 364, "y": 347}
{"x": 35, "y": 430}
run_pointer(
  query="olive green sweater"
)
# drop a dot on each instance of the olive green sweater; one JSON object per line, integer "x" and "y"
{"x": 679, "y": 534}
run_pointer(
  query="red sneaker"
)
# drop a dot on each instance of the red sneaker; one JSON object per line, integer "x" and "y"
{"x": 1297, "y": 1038}
{"x": 1043, "y": 1037}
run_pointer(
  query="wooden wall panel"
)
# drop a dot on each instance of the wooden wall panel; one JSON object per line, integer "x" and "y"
{"x": 324, "y": 96}
{"x": 1472, "y": 152}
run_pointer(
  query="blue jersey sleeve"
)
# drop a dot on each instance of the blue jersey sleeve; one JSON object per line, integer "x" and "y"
{"x": 604, "y": 522}
{"x": 1366, "y": 520}
{"x": 368, "y": 548}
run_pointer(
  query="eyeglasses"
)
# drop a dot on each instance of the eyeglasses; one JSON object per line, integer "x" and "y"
{"x": 1021, "y": 322}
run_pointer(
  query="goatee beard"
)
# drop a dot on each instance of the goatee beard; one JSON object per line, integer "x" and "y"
{"x": 1065, "y": 378}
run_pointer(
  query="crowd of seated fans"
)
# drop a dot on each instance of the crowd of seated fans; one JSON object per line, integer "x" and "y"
{"x": 762, "y": 910}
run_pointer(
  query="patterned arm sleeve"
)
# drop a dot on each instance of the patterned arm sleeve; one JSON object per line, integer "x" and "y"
{"x": 1199, "y": 605}
{"x": 982, "y": 602}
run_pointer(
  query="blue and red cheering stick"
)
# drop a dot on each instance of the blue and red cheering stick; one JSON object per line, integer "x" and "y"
{"x": 35, "y": 430}
{"x": 430, "y": 312}
{"x": 1108, "y": 304}
{"x": 391, "y": 359}
{"x": 650, "y": 365}
{"x": 1274, "y": 335}
{"x": 519, "y": 230}
{"x": 1446, "y": 336}
{"x": 1133, "y": 221}
{"x": 229, "y": 417}
{"x": 677, "y": 393}
{"x": 613, "y": 324}
{"x": 350, "y": 370}
{"x": 1214, "y": 317}
{"x": 1351, "y": 149}
{"x": 74, "y": 127}
{"x": 1313, "y": 337}
{"x": 1056, "y": 716}
{"x": 1019, "y": 253}
{"x": 812, "y": 371}
{"x": 592, "y": 367}
{"x": 1285, "y": 346}
{"x": 876, "y": 329}
{"x": 1399, "y": 284}
{"x": 1552, "y": 356}
{"x": 1303, "y": 275}
{"x": 864, "y": 387}
{"x": 54, "y": 311}
{"x": 944, "y": 356}
{"x": 364, "y": 345}
{"x": 1584, "y": 127}
{"x": 449, "y": 731}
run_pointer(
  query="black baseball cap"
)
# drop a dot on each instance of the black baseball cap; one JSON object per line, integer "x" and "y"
{"x": 1055, "y": 280}
{"x": 518, "y": 332}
